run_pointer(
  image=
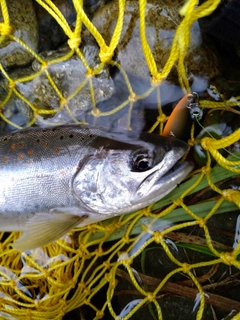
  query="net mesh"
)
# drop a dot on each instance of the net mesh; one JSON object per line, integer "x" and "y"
{"x": 49, "y": 282}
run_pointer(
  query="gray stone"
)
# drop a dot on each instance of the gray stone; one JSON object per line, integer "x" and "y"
{"x": 162, "y": 20}
{"x": 24, "y": 24}
{"x": 67, "y": 76}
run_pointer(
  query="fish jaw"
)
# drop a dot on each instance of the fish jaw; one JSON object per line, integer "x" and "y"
{"x": 163, "y": 186}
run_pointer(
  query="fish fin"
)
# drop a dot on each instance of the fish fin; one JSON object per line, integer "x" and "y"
{"x": 44, "y": 228}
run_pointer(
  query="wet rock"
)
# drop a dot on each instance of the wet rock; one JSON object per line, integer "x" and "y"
{"x": 16, "y": 111}
{"x": 90, "y": 6}
{"x": 51, "y": 34}
{"x": 24, "y": 24}
{"x": 162, "y": 20}
{"x": 68, "y": 77}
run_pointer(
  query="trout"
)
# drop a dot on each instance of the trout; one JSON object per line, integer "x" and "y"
{"x": 55, "y": 179}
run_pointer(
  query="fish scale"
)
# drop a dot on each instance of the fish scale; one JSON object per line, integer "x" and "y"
{"x": 47, "y": 168}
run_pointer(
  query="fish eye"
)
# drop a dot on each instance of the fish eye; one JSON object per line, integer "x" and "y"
{"x": 142, "y": 162}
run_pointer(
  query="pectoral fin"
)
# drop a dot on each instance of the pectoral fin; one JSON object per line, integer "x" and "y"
{"x": 44, "y": 228}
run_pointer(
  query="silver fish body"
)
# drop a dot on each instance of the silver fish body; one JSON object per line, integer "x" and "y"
{"x": 55, "y": 179}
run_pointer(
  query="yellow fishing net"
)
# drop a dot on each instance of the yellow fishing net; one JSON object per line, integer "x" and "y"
{"x": 85, "y": 270}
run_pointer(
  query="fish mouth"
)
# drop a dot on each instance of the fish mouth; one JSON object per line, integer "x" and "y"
{"x": 167, "y": 182}
{"x": 177, "y": 170}
{"x": 172, "y": 178}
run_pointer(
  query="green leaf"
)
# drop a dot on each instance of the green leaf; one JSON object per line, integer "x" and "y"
{"x": 176, "y": 216}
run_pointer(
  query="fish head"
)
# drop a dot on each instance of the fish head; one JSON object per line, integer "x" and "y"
{"x": 124, "y": 176}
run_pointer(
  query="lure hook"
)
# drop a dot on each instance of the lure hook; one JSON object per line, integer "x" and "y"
{"x": 194, "y": 109}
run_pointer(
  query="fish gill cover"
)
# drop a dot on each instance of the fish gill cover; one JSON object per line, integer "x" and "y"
{"x": 123, "y": 64}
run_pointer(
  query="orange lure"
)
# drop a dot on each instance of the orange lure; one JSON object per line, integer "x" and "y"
{"x": 178, "y": 119}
